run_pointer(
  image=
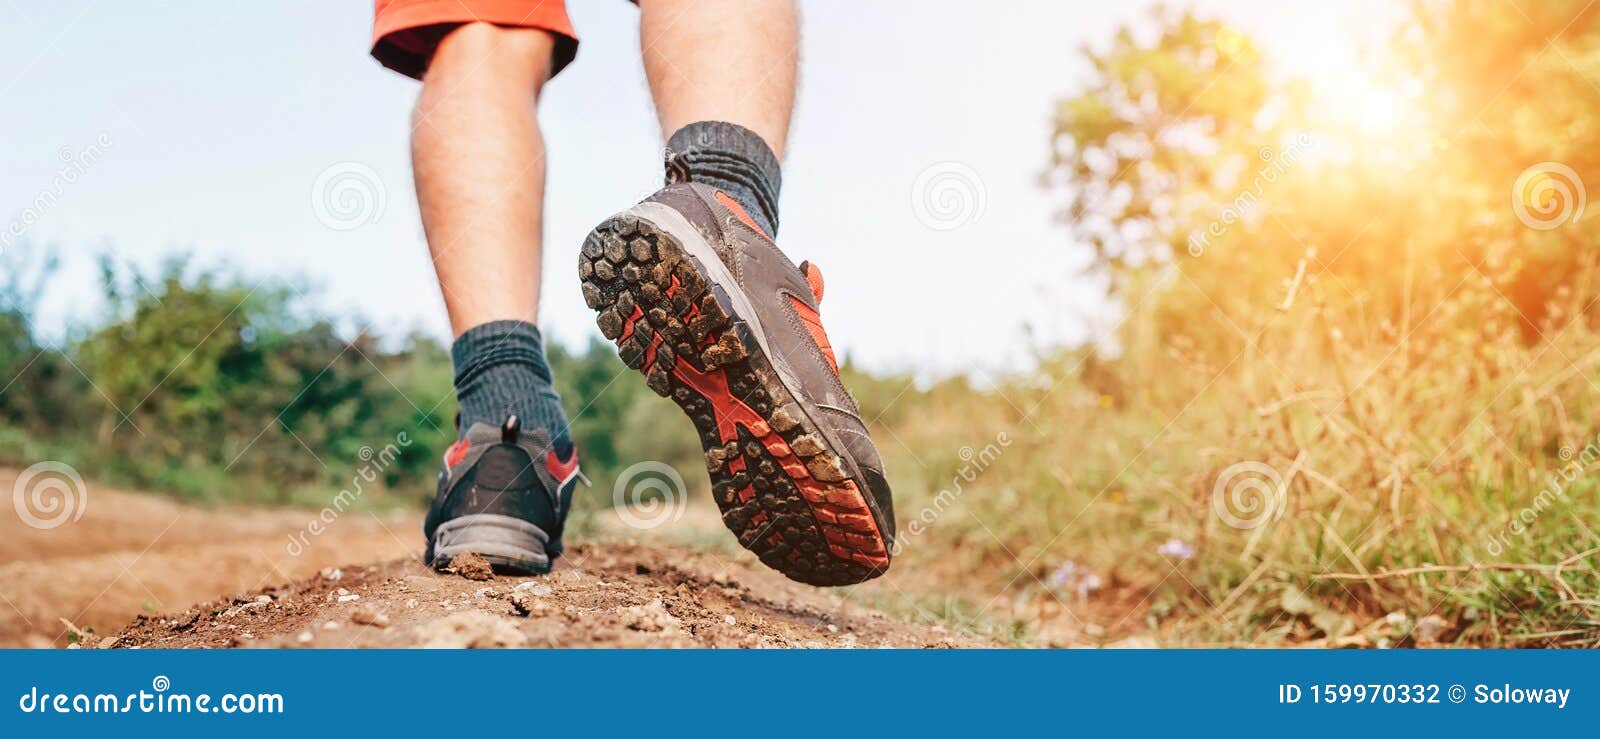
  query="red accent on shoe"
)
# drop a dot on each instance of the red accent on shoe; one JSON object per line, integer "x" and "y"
{"x": 813, "y": 324}
{"x": 727, "y": 409}
{"x": 650, "y": 353}
{"x": 813, "y": 278}
{"x": 840, "y": 508}
{"x": 627, "y": 328}
{"x": 811, "y": 318}
{"x": 738, "y": 210}
{"x": 456, "y": 453}
{"x": 561, "y": 471}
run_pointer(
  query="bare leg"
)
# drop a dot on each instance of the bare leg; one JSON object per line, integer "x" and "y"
{"x": 722, "y": 60}
{"x": 479, "y": 165}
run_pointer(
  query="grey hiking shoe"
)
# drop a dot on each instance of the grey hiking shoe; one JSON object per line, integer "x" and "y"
{"x": 703, "y": 303}
{"x": 504, "y": 494}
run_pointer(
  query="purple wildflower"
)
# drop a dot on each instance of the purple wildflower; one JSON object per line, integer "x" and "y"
{"x": 1176, "y": 549}
{"x": 1065, "y": 574}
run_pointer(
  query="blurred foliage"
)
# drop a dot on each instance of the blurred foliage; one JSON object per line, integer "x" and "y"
{"x": 1183, "y": 127}
{"x": 1341, "y": 289}
{"x": 213, "y": 388}
{"x": 208, "y": 387}
{"x": 1373, "y": 296}
{"x": 1162, "y": 123}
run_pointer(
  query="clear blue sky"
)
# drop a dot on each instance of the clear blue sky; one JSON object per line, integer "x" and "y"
{"x": 221, "y": 116}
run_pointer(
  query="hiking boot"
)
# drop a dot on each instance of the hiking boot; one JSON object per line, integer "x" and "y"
{"x": 703, "y": 303}
{"x": 504, "y": 494}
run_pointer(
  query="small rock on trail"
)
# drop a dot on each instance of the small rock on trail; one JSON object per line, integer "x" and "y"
{"x": 527, "y": 604}
{"x": 471, "y": 566}
{"x": 652, "y": 616}
{"x": 369, "y": 617}
{"x": 470, "y": 630}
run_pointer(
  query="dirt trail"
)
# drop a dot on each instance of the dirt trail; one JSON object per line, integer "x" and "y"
{"x": 226, "y": 577}
{"x": 134, "y": 553}
{"x": 600, "y": 595}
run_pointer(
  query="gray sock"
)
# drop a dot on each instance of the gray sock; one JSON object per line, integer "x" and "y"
{"x": 501, "y": 371}
{"x": 733, "y": 159}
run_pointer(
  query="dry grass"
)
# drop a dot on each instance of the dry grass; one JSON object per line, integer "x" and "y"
{"x": 1414, "y": 451}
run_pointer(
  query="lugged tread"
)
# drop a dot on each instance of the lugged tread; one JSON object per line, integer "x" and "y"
{"x": 782, "y": 492}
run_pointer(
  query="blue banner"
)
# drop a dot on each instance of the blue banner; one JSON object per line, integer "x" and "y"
{"x": 535, "y": 693}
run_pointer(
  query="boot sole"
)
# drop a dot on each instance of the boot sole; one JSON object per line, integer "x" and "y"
{"x": 778, "y": 477}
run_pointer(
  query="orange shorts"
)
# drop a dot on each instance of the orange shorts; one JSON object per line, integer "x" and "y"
{"x": 406, "y": 32}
